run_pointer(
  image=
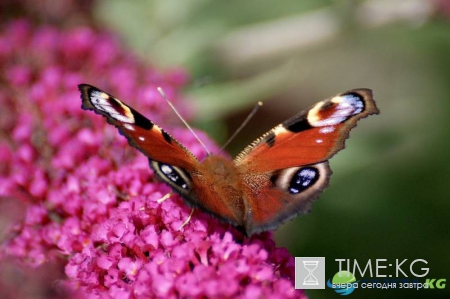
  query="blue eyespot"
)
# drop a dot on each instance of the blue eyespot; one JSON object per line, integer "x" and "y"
{"x": 304, "y": 178}
{"x": 172, "y": 174}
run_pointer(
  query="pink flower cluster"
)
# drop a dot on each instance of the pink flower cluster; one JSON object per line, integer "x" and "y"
{"x": 90, "y": 201}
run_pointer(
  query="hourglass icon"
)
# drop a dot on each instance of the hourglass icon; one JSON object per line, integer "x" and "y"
{"x": 310, "y": 279}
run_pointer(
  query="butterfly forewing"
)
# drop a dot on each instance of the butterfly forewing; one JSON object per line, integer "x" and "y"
{"x": 309, "y": 137}
{"x": 141, "y": 133}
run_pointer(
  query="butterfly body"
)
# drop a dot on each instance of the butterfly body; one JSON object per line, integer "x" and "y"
{"x": 274, "y": 179}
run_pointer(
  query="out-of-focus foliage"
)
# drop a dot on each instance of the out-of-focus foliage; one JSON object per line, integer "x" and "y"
{"x": 389, "y": 193}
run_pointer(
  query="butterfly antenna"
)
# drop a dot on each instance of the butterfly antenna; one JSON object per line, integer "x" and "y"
{"x": 244, "y": 123}
{"x": 161, "y": 91}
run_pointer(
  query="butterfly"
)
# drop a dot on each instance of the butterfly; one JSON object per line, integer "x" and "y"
{"x": 275, "y": 178}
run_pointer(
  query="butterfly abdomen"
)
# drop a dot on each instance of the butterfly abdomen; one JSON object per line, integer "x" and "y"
{"x": 217, "y": 186}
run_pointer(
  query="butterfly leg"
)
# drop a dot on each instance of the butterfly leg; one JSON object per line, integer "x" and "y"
{"x": 188, "y": 219}
{"x": 120, "y": 195}
{"x": 167, "y": 196}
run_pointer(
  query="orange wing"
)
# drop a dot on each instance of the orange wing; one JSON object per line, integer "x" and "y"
{"x": 287, "y": 168}
{"x": 172, "y": 162}
{"x": 309, "y": 137}
{"x": 141, "y": 133}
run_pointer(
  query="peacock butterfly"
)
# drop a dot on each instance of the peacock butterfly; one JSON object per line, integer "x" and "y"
{"x": 272, "y": 180}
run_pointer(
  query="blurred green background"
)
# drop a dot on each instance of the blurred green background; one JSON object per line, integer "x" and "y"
{"x": 388, "y": 197}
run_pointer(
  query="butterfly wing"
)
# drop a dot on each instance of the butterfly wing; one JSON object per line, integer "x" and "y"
{"x": 287, "y": 168}
{"x": 172, "y": 160}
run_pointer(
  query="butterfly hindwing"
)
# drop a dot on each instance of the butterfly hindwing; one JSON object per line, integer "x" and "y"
{"x": 283, "y": 194}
